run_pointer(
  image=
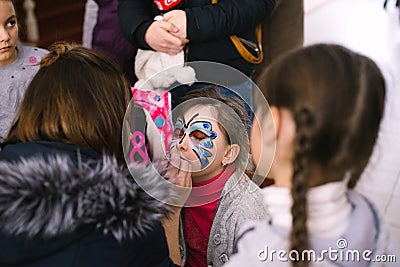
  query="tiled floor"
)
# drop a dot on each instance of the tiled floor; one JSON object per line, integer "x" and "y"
{"x": 364, "y": 26}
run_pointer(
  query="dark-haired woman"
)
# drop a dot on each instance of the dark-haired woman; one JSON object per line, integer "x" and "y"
{"x": 66, "y": 196}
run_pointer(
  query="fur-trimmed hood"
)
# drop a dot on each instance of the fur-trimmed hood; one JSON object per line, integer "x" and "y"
{"x": 53, "y": 196}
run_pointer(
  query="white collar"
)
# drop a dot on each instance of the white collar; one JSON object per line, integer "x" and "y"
{"x": 328, "y": 208}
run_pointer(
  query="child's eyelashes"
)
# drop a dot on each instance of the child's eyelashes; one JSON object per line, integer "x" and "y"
{"x": 12, "y": 23}
{"x": 197, "y": 131}
{"x": 198, "y": 135}
{"x": 178, "y": 133}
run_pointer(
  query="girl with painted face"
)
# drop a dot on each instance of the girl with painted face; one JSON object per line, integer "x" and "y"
{"x": 326, "y": 103}
{"x": 18, "y": 64}
{"x": 210, "y": 133}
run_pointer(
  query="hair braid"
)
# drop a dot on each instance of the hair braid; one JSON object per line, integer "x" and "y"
{"x": 299, "y": 235}
{"x": 57, "y": 50}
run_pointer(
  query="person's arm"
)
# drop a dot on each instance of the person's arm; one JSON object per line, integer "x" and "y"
{"x": 135, "y": 17}
{"x": 226, "y": 18}
{"x": 171, "y": 228}
{"x": 179, "y": 173}
{"x": 138, "y": 26}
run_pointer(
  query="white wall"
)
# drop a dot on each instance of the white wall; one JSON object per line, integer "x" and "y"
{"x": 364, "y": 26}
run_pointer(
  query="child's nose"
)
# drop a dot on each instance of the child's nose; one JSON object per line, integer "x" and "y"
{"x": 4, "y": 36}
{"x": 183, "y": 144}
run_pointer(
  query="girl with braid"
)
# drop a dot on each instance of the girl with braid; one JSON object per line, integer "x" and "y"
{"x": 326, "y": 103}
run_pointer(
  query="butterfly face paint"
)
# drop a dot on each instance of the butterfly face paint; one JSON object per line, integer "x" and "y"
{"x": 200, "y": 138}
{"x": 179, "y": 130}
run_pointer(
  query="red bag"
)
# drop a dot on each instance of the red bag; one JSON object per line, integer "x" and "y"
{"x": 164, "y": 5}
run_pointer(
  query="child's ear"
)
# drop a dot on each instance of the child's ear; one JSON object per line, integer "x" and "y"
{"x": 277, "y": 119}
{"x": 270, "y": 123}
{"x": 263, "y": 139}
{"x": 231, "y": 154}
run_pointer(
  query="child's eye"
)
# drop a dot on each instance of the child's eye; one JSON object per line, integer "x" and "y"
{"x": 198, "y": 135}
{"x": 11, "y": 23}
{"x": 178, "y": 133}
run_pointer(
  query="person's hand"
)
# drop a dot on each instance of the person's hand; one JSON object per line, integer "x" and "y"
{"x": 177, "y": 18}
{"x": 179, "y": 173}
{"x": 160, "y": 37}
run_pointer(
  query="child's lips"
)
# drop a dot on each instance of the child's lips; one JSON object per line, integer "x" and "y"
{"x": 4, "y": 49}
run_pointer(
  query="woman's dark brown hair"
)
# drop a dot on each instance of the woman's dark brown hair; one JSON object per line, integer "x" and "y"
{"x": 337, "y": 100}
{"x": 77, "y": 97}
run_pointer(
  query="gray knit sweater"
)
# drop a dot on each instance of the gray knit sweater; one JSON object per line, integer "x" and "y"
{"x": 240, "y": 201}
{"x": 15, "y": 78}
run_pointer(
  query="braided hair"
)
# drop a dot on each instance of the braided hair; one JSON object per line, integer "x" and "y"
{"x": 299, "y": 237}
